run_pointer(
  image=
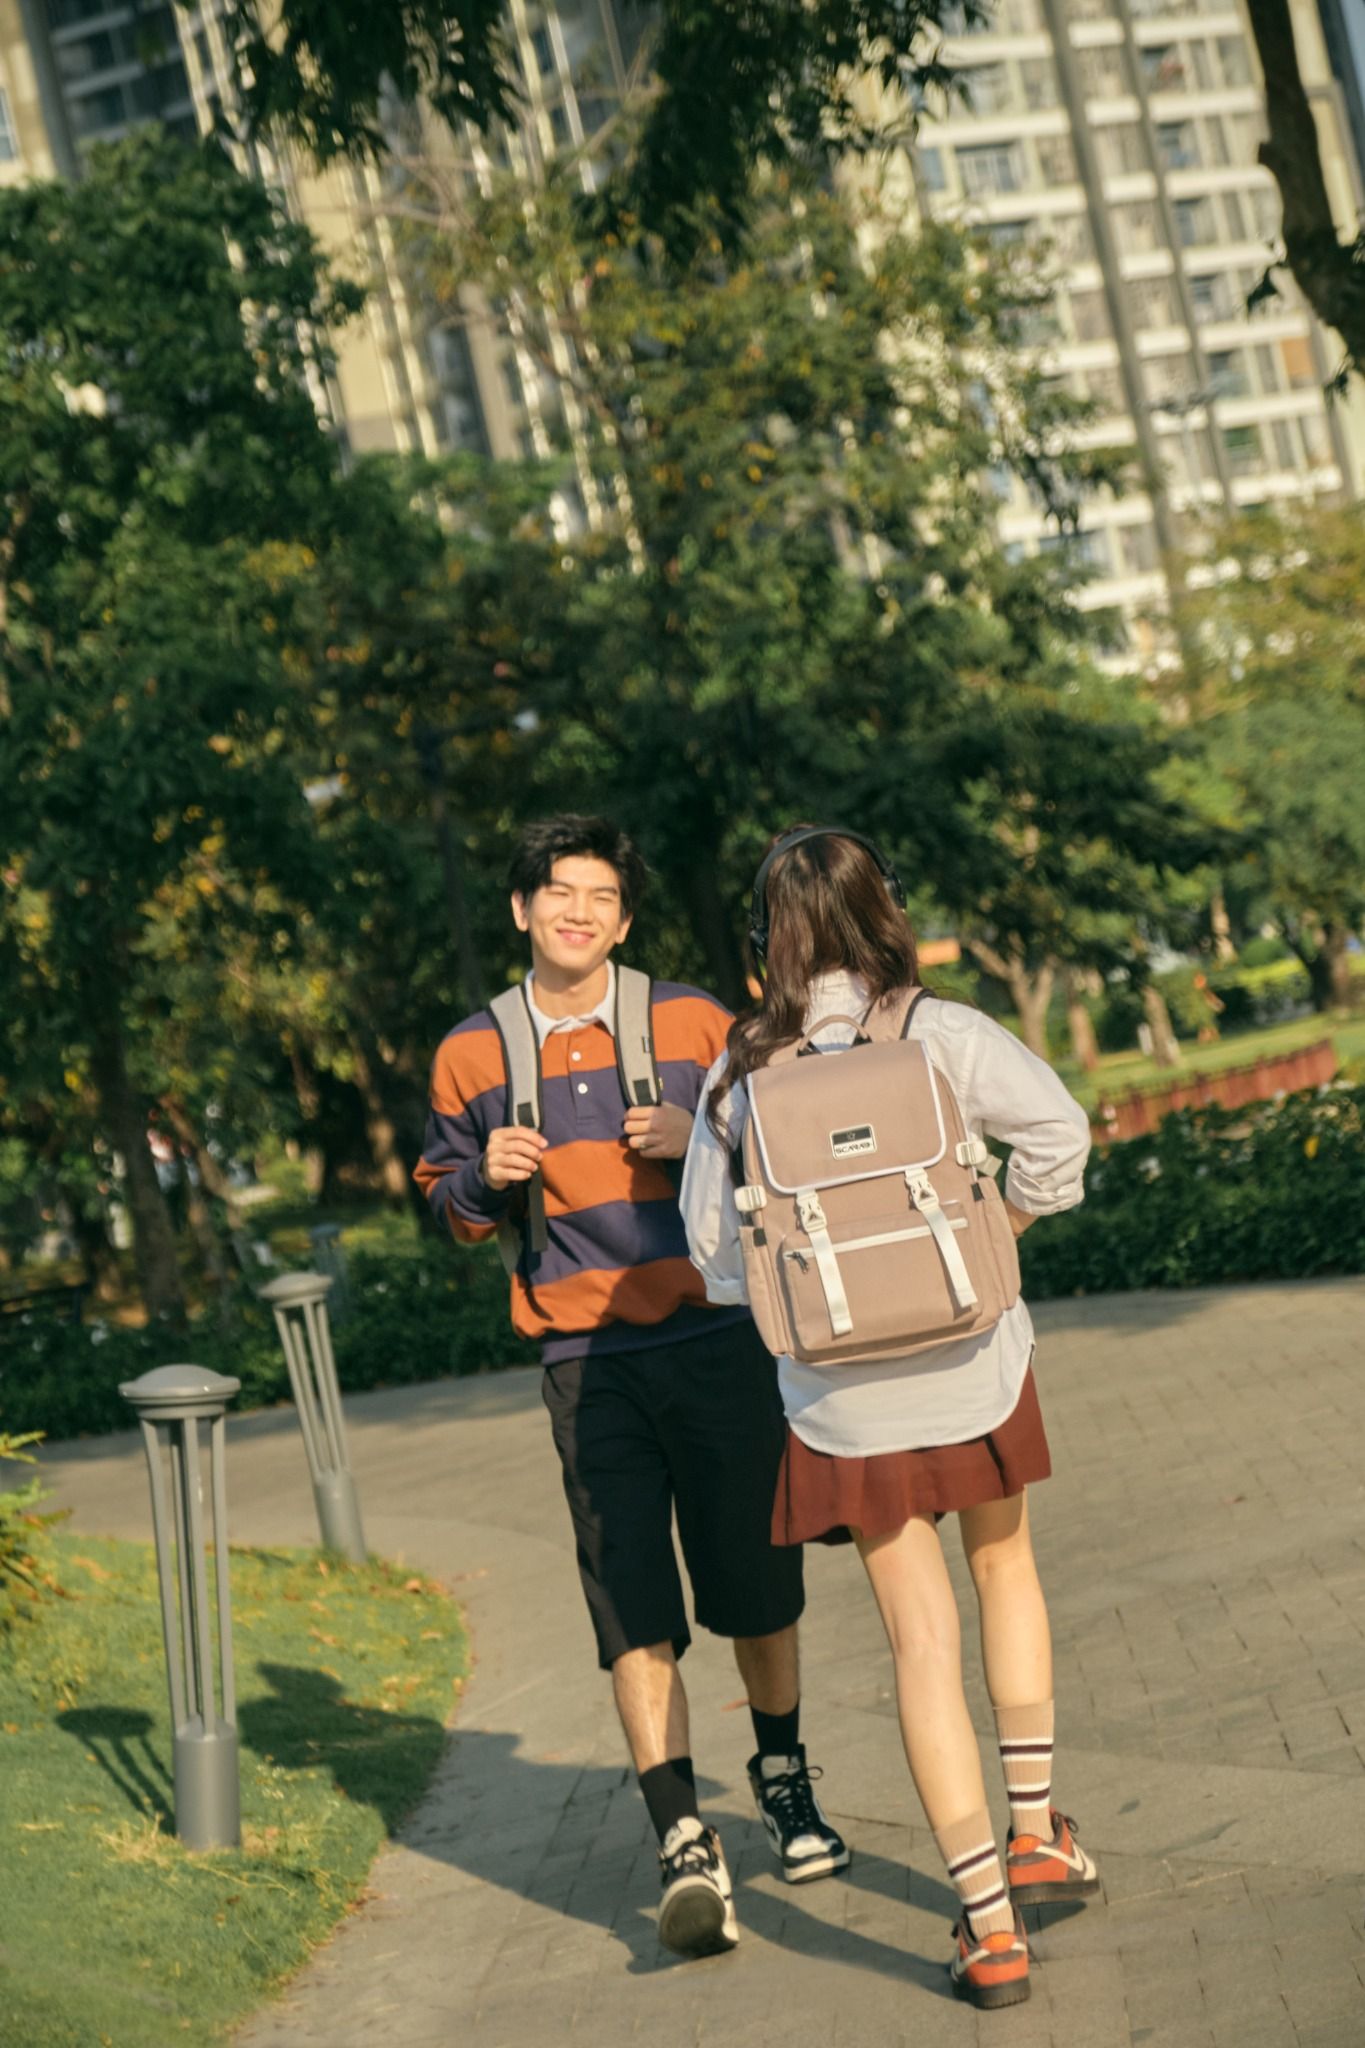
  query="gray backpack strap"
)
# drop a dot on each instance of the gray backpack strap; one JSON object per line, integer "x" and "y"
{"x": 635, "y": 1061}
{"x": 511, "y": 1013}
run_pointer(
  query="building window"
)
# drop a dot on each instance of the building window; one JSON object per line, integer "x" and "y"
{"x": 1137, "y": 228}
{"x": 1265, "y": 212}
{"x": 931, "y": 170}
{"x": 9, "y": 143}
{"x": 1089, "y": 316}
{"x": 559, "y": 126}
{"x": 1104, "y": 389}
{"x": 545, "y": 51}
{"x": 1056, "y": 160}
{"x": 1234, "y": 60}
{"x": 1243, "y": 445}
{"x": 1138, "y": 544}
{"x": 1120, "y": 150}
{"x": 1101, "y": 74}
{"x": 1210, "y": 297}
{"x": 1299, "y": 367}
{"x": 1163, "y": 67}
{"x": 1194, "y": 223}
{"x": 993, "y": 167}
{"x": 1152, "y": 301}
{"x": 986, "y": 87}
{"x": 1176, "y": 142}
{"x": 1040, "y": 83}
{"x": 1227, "y": 374}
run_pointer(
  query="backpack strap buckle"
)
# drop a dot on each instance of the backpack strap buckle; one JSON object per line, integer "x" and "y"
{"x": 811, "y": 1214}
{"x": 924, "y": 1195}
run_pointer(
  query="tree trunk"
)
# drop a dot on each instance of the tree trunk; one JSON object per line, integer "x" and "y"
{"x": 709, "y": 914}
{"x": 1084, "y": 1045}
{"x": 309, "y": 1098}
{"x": 1329, "y": 970}
{"x": 124, "y": 1116}
{"x": 1032, "y": 994}
{"x": 1220, "y": 924}
{"x": 1324, "y": 266}
{"x": 1165, "y": 1044}
{"x": 379, "y": 1128}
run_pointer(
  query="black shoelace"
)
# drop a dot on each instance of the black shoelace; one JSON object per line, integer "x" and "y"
{"x": 696, "y": 1854}
{"x": 791, "y": 1795}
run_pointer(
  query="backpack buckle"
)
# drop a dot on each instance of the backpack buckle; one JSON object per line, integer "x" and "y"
{"x": 750, "y": 1199}
{"x": 810, "y": 1212}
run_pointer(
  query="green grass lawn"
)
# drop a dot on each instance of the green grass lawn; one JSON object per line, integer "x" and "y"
{"x": 1119, "y": 1072}
{"x": 116, "y": 1937}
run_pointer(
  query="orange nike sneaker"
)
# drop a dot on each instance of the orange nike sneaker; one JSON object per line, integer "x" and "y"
{"x": 992, "y": 1971}
{"x": 1040, "y": 1871}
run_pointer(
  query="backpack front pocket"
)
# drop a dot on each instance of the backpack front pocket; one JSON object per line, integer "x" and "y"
{"x": 893, "y": 1281}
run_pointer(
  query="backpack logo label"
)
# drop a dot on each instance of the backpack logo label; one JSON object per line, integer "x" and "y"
{"x": 858, "y": 1138}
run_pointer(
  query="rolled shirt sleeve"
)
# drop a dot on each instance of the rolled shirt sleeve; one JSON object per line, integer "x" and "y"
{"x": 708, "y": 1198}
{"x": 1018, "y": 1099}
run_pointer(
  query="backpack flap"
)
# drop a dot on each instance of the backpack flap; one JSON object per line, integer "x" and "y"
{"x": 833, "y": 1118}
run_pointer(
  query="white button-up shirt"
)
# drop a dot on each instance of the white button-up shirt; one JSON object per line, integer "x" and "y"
{"x": 954, "y": 1391}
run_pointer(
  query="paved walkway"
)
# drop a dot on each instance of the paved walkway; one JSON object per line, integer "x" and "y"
{"x": 1204, "y": 1549}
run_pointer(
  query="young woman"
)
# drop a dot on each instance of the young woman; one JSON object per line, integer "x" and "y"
{"x": 879, "y": 1452}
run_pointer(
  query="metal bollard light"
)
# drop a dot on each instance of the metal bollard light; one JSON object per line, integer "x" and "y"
{"x": 300, "y": 1304}
{"x": 171, "y": 1403}
{"x": 329, "y": 1257}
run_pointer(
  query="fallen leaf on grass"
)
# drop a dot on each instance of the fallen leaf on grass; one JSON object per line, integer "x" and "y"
{"x": 96, "y": 1571}
{"x": 39, "y": 1827}
{"x": 431, "y": 1635}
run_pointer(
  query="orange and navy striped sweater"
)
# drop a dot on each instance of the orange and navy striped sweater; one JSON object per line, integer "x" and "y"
{"x": 615, "y": 1275}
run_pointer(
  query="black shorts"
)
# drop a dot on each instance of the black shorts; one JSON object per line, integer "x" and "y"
{"x": 696, "y": 1425}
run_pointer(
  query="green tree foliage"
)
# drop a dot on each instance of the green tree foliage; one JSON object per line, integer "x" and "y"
{"x": 160, "y": 456}
{"x": 789, "y": 599}
{"x": 731, "y": 84}
{"x": 1278, "y": 714}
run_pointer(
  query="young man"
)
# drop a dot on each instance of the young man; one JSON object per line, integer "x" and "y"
{"x": 656, "y": 1400}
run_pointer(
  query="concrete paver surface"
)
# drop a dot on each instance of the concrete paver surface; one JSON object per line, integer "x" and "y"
{"x": 1203, "y": 1548}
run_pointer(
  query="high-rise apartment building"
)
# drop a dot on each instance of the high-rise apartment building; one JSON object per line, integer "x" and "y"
{"x": 77, "y": 72}
{"x": 1119, "y": 138}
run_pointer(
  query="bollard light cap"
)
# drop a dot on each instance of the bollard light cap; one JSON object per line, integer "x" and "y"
{"x": 172, "y": 1391}
{"x": 293, "y": 1290}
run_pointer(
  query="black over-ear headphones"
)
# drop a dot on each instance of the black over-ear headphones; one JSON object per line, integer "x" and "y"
{"x": 758, "y": 909}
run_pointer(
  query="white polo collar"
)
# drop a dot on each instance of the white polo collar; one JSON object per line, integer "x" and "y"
{"x": 604, "y": 1013}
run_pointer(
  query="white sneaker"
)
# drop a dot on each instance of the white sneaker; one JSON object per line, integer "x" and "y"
{"x": 802, "y": 1838}
{"x": 697, "y": 1910}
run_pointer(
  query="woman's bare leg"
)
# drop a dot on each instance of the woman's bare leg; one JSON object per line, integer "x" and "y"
{"x": 1016, "y": 1641}
{"x": 919, "y": 1613}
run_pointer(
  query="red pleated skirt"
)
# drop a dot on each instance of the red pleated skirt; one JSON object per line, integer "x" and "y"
{"x": 822, "y": 1499}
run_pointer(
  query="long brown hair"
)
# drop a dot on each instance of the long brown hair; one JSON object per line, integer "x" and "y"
{"x": 829, "y": 912}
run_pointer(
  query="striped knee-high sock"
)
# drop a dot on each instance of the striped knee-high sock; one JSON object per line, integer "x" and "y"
{"x": 1025, "y": 1735}
{"x": 968, "y": 1849}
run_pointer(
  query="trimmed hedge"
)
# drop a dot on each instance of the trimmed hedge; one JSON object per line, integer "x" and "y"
{"x": 419, "y": 1310}
{"x": 1215, "y": 1195}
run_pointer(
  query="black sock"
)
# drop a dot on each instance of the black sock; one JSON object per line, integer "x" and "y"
{"x": 777, "y": 1734}
{"x": 670, "y": 1793}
